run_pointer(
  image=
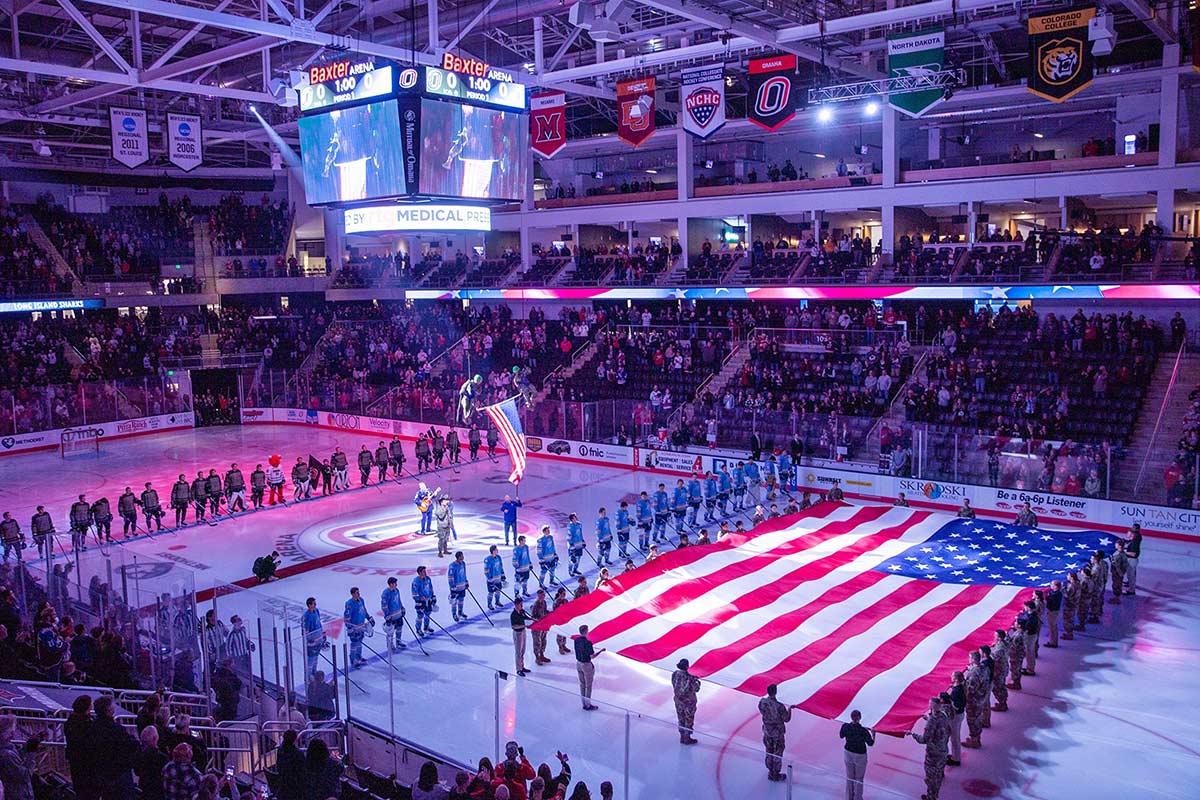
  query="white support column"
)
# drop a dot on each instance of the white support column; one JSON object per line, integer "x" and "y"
{"x": 683, "y": 241}
{"x": 935, "y": 144}
{"x": 1166, "y": 210}
{"x": 891, "y": 160}
{"x": 538, "y": 46}
{"x": 335, "y": 238}
{"x": 431, "y": 11}
{"x": 887, "y": 229}
{"x": 14, "y": 33}
{"x": 972, "y": 220}
{"x": 530, "y": 163}
{"x": 1168, "y": 109}
{"x": 684, "y": 167}
{"x": 1062, "y": 212}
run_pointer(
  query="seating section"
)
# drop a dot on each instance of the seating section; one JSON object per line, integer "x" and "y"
{"x": 489, "y": 272}
{"x": 283, "y": 338}
{"x": 24, "y": 269}
{"x": 238, "y": 226}
{"x": 545, "y": 267}
{"x": 1179, "y": 478}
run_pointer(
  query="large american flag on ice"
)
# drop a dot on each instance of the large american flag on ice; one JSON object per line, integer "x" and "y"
{"x": 507, "y": 420}
{"x": 842, "y": 606}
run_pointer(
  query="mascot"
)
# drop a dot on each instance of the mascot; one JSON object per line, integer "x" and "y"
{"x": 275, "y": 479}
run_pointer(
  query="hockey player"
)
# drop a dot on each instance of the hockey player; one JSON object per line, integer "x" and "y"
{"x": 493, "y": 573}
{"x": 439, "y": 448}
{"x": 739, "y": 486}
{"x": 235, "y": 489}
{"x": 457, "y": 578}
{"x": 150, "y": 507}
{"x": 493, "y": 439}
{"x": 314, "y": 632}
{"x": 710, "y": 496}
{"x": 695, "y": 494}
{"x": 357, "y": 620}
{"x": 724, "y": 485}
{"x": 341, "y": 466}
{"x": 522, "y": 566}
{"x": 424, "y": 500}
{"x": 365, "y": 460}
{"x": 603, "y": 537}
{"x": 396, "y": 452}
{"x": 575, "y": 544}
{"x": 453, "y": 448}
{"x": 473, "y": 441}
{"x": 274, "y": 480}
{"x": 424, "y": 601}
{"x": 200, "y": 495}
{"x": 42, "y": 528}
{"x": 753, "y": 480}
{"x": 382, "y": 458}
{"x": 786, "y": 471}
{"x": 391, "y": 608}
{"x": 215, "y": 493}
{"x": 301, "y": 487}
{"x": 127, "y": 508}
{"x": 679, "y": 500}
{"x": 624, "y": 523}
{"x": 181, "y": 495}
{"x": 421, "y": 449}
{"x": 81, "y": 520}
{"x": 662, "y": 508}
{"x": 325, "y": 475}
{"x": 102, "y": 519}
{"x": 644, "y": 520}
{"x": 547, "y": 556}
{"x": 258, "y": 485}
{"x": 11, "y": 536}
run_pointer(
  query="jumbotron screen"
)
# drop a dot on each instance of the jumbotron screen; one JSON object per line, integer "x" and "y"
{"x": 470, "y": 151}
{"x": 352, "y": 154}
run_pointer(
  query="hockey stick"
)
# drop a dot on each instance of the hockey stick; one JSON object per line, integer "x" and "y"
{"x": 443, "y": 630}
{"x": 594, "y": 559}
{"x": 485, "y": 614}
{"x": 416, "y": 638}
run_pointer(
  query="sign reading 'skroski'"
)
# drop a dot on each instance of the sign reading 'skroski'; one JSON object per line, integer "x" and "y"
{"x": 773, "y": 91}
{"x": 635, "y": 110}
{"x": 702, "y": 96}
{"x": 548, "y": 123}
{"x": 1060, "y": 55}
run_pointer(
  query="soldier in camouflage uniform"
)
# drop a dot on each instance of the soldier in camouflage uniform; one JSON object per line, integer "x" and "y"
{"x": 1100, "y": 576}
{"x": 1000, "y": 671}
{"x": 976, "y": 700}
{"x": 1087, "y": 586}
{"x": 988, "y": 663}
{"x": 685, "y": 685}
{"x": 1120, "y": 565}
{"x": 1070, "y": 605}
{"x": 936, "y": 738}
{"x": 775, "y": 716}
{"x": 1016, "y": 654}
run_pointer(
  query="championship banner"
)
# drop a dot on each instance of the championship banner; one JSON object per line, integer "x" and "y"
{"x": 1060, "y": 55}
{"x": 773, "y": 91}
{"x": 914, "y": 55}
{"x": 703, "y": 98}
{"x": 635, "y": 110}
{"x": 130, "y": 143}
{"x": 548, "y": 123}
{"x": 185, "y": 146}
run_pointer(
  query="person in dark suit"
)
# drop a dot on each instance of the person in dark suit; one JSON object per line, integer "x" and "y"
{"x": 114, "y": 770}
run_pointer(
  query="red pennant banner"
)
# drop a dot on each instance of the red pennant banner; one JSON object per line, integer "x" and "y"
{"x": 548, "y": 123}
{"x": 635, "y": 110}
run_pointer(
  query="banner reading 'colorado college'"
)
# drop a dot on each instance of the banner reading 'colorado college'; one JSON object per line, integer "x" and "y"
{"x": 548, "y": 123}
{"x": 773, "y": 91}
{"x": 1060, "y": 56}
{"x": 916, "y": 55}
{"x": 702, "y": 96}
{"x": 635, "y": 110}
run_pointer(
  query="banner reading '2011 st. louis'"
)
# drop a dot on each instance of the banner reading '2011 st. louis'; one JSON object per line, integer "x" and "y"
{"x": 1060, "y": 55}
{"x": 914, "y": 55}
{"x": 702, "y": 97}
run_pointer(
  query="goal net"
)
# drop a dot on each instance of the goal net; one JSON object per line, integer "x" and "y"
{"x": 79, "y": 442}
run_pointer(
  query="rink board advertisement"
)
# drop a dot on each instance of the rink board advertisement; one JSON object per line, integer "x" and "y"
{"x": 43, "y": 440}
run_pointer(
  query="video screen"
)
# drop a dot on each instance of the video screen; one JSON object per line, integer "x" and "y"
{"x": 468, "y": 151}
{"x": 352, "y": 154}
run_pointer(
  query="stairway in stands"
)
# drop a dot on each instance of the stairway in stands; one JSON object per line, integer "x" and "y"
{"x": 38, "y": 236}
{"x": 1162, "y": 447}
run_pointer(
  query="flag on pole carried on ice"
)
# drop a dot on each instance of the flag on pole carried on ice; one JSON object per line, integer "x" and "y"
{"x": 508, "y": 423}
{"x": 841, "y": 606}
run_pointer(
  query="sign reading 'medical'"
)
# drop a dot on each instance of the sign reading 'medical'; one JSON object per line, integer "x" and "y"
{"x": 418, "y": 217}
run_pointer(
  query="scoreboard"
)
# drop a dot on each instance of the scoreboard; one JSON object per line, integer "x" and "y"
{"x": 466, "y": 80}
{"x": 344, "y": 81}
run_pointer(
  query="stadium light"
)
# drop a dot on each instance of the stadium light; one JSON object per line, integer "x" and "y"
{"x": 872, "y": 108}
{"x": 825, "y": 114}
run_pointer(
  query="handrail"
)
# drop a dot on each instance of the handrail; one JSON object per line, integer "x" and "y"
{"x": 1137, "y": 484}
{"x": 386, "y": 397}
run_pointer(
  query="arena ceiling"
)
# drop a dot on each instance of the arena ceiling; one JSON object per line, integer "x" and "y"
{"x": 64, "y": 62}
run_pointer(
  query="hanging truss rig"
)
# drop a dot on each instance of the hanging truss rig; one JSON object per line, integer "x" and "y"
{"x": 945, "y": 80}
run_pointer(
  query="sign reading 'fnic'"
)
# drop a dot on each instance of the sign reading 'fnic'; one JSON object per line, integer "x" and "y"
{"x": 422, "y": 217}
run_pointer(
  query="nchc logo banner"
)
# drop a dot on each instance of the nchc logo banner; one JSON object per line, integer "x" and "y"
{"x": 418, "y": 217}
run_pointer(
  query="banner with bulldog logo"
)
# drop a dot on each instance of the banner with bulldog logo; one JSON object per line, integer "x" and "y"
{"x": 773, "y": 91}
{"x": 702, "y": 95}
{"x": 1060, "y": 55}
{"x": 916, "y": 55}
{"x": 548, "y": 123}
{"x": 635, "y": 110}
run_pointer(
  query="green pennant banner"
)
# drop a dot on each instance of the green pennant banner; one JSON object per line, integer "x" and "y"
{"x": 911, "y": 55}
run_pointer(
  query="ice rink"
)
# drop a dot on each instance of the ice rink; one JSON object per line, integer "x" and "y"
{"x": 1108, "y": 715}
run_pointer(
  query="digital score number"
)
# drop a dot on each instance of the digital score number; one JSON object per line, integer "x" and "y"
{"x": 488, "y": 89}
{"x": 345, "y": 83}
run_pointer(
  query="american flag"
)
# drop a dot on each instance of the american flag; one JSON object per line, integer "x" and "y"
{"x": 842, "y": 606}
{"x": 508, "y": 423}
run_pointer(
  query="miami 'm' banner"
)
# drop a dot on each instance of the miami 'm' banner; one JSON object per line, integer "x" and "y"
{"x": 1060, "y": 56}
{"x": 130, "y": 142}
{"x": 548, "y": 123}
{"x": 635, "y": 110}
{"x": 702, "y": 95}
{"x": 915, "y": 55}
{"x": 773, "y": 91}
{"x": 185, "y": 144}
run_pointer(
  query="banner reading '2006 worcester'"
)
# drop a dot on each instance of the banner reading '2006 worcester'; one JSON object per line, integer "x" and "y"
{"x": 1060, "y": 55}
